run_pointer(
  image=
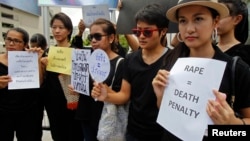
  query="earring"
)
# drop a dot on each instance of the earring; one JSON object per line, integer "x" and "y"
{"x": 214, "y": 34}
{"x": 179, "y": 37}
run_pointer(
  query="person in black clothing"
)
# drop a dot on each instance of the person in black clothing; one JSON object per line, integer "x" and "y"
{"x": 63, "y": 125}
{"x": 102, "y": 36}
{"x": 197, "y": 20}
{"x": 38, "y": 40}
{"x": 140, "y": 67}
{"x": 19, "y": 107}
{"x": 233, "y": 30}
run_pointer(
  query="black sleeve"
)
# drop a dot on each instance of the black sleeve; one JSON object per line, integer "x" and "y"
{"x": 77, "y": 42}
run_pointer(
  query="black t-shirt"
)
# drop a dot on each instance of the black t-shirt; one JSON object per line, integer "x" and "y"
{"x": 240, "y": 50}
{"x": 143, "y": 109}
{"x": 19, "y": 100}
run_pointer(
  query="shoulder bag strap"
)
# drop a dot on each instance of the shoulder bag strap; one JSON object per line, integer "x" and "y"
{"x": 116, "y": 65}
{"x": 235, "y": 59}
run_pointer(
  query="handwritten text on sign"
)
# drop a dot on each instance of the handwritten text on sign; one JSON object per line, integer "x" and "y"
{"x": 60, "y": 59}
{"x": 80, "y": 70}
{"x": 99, "y": 65}
{"x": 93, "y": 12}
{"x": 23, "y": 69}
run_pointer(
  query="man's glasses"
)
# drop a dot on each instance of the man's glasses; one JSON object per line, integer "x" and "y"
{"x": 97, "y": 36}
{"x": 8, "y": 40}
{"x": 146, "y": 32}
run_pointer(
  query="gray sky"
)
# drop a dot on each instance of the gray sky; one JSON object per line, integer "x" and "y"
{"x": 74, "y": 13}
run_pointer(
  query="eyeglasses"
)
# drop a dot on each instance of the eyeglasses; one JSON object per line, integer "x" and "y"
{"x": 15, "y": 41}
{"x": 97, "y": 36}
{"x": 146, "y": 32}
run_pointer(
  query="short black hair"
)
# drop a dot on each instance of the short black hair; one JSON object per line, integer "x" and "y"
{"x": 153, "y": 14}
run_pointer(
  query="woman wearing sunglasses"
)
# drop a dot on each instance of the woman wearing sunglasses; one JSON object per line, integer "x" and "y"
{"x": 102, "y": 36}
{"x": 139, "y": 69}
{"x": 197, "y": 20}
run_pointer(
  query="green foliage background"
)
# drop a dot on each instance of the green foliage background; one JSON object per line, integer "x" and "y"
{"x": 122, "y": 41}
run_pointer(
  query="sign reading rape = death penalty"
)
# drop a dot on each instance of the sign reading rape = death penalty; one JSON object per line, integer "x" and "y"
{"x": 191, "y": 82}
{"x": 80, "y": 70}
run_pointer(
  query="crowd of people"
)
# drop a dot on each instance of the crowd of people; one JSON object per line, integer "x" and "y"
{"x": 206, "y": 29}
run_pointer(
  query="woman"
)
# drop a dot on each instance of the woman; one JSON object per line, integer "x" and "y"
{"x": 139, "y": 69}
{"x": 102, "y": 36}
{"x": 63, "y": 125}
{"x": 197, "y": 20}
{"x": 19, "y": 107}
{"x": 233, "y": 30}
{"x": 38, "y": 40}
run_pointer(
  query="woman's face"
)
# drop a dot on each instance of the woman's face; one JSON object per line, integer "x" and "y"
{"x": 196, "y": 26}
{"x": 14, "y": 41}
{"x": 151, "y": 39}
{"x": 100, "y": 39}
{"x": 228, "y": 24}
{"x": 59, "y": 31}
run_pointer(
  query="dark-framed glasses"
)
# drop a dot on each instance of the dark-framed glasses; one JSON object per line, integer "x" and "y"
{"x": 146, "y": 32}
{"x": 97, "y": 36}
{"x": 8, "y": 40}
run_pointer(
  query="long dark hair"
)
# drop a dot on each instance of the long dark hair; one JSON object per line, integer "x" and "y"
{"x": 40, "y": 40}
{"x": 238, "y": 7}
{"x": 24, "y": 33}
{"x": 108, "y": 28}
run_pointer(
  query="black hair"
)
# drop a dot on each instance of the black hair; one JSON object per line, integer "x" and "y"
{"x": 40, "y": 40}
{"x": 153, "y": 14}
{"x": 22, "y": 31}
{"x": 65, "y": 20}
{"x": 238, "y": 7}
{"x": 108, "y": 28}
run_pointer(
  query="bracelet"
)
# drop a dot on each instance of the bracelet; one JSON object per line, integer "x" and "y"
{"x": 244, "y": 123}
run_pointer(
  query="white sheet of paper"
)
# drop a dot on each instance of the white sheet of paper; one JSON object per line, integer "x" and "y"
{"x": 23, "y": 69}
{"x": 183, "y": 107}
{"x": 80, "y": 71}
{"x": 92, "y": 12}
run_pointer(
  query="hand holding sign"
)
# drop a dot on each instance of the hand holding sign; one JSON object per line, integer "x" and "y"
{"x": 99, "y": 66}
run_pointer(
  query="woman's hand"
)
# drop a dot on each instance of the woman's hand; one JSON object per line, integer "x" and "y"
{"x": 220, "y": 111}
{"x": 36, "y": 49}
{"x": 99, "y": 91}
{"x": 159, "y": 84}
{"x": 4, "y": 80}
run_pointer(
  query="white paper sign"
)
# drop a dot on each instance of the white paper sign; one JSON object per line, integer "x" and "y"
{"x": 92, "y": 12}
{"x": 23, "y": 69}
{"x": 80, "y": 70}
{"x": 183, "y": 107}
{"x": 99, "y": 65}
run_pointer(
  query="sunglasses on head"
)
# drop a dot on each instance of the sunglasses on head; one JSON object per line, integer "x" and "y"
{"x": 146, "y": 32}
{"x": 97, "y": 36}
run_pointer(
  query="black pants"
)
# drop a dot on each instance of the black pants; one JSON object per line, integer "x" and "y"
{"x": 63, "y": 125}
{"x": 23, "y": 124}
